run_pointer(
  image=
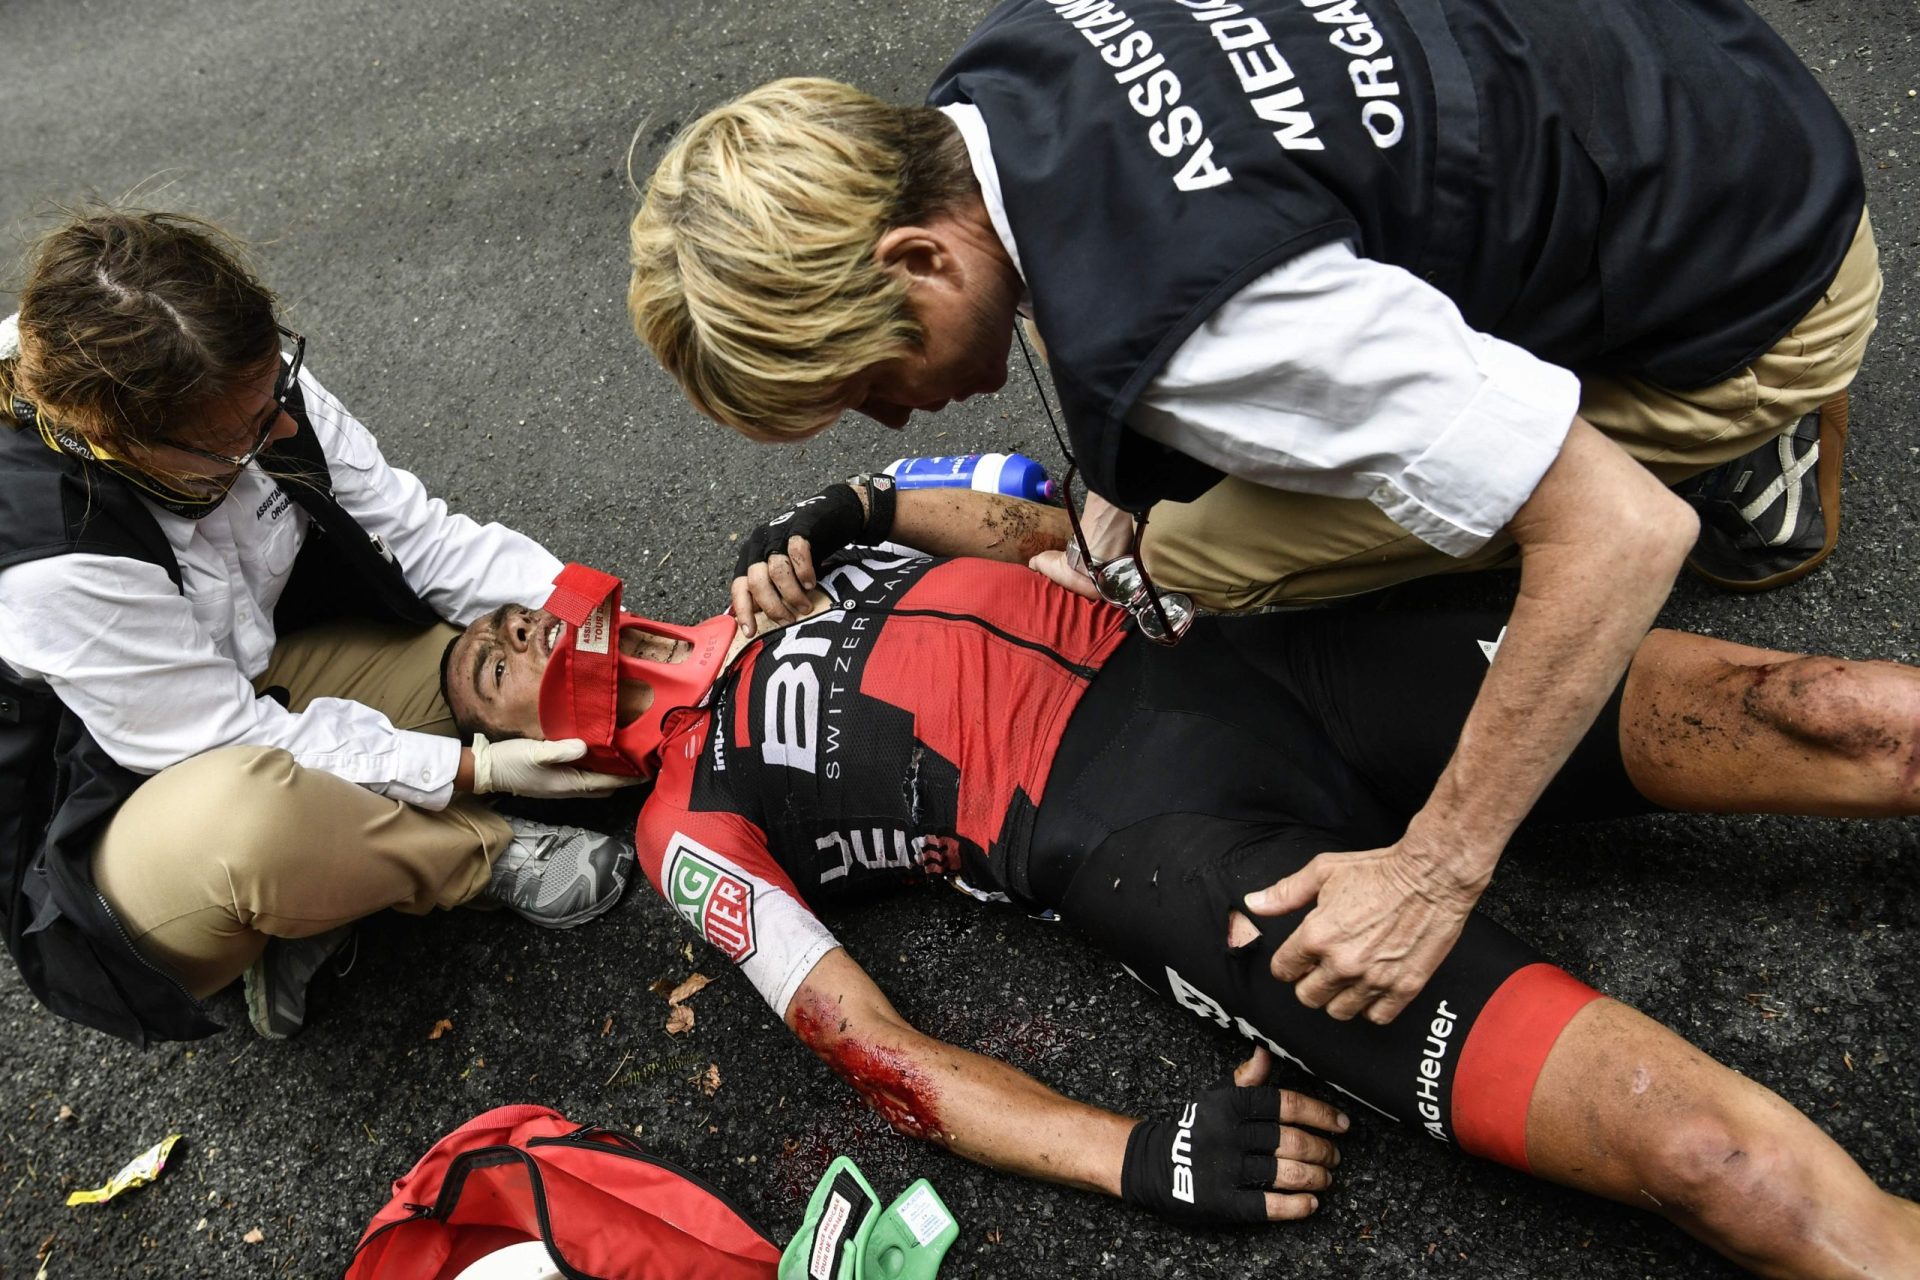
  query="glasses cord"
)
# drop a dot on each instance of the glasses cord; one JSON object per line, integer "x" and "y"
{"x": 1073, "y": 465}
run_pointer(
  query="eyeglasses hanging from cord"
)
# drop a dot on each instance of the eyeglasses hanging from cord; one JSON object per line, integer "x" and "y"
{"x": 1162, "y": 617}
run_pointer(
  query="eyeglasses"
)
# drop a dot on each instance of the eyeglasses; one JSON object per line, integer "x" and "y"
{"x": 1162, "y": 616}
{"x": 189, "y": 496}
{"x": 283, "y": 386}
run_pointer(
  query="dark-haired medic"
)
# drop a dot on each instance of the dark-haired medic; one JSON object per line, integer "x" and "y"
{"x": 221, "y": 617}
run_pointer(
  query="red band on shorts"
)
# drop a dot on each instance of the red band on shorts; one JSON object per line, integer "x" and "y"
{"x": 1493, "y": 1081}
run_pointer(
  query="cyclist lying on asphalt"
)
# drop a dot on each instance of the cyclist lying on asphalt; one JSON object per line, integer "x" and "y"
{"x": 970, "y": 720}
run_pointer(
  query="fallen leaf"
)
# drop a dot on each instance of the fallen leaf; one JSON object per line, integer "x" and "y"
{"x": 254, "y": 1236}
{"x": 606, "y": 1028}
{"x": 689, "y": 989}
{"x": 66, "y": 1113}
{"x": 679, "y": 1019}
{"x": 993, "y": 1235}
{"x": 440, "y": 1028}
{"x": 661, "y": 986}
{"x": 710, "y": 1082}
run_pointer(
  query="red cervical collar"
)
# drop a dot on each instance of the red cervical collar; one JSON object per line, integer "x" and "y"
{"x": 580, "y": 692}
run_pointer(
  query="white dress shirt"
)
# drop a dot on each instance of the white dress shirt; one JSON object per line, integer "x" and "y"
{"x": 1337, "y": 375}
{"x": 159, "y": 675}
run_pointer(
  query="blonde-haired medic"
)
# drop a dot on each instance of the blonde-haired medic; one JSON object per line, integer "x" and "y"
{"x": 1344, "y": 294}
{"x": 223, "y": 617}
{"x": 755, "y": 277}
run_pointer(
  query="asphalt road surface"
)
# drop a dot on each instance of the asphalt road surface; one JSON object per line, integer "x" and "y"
{"x": 440, "y": 192}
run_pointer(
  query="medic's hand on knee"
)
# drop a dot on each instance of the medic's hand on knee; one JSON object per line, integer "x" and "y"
{"x": 775, "y": 569}
{"x": 530, "y": 767}
{"x": 1236, "y": 1153}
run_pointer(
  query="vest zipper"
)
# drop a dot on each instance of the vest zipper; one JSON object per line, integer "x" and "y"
{"x": 121, "y": 929}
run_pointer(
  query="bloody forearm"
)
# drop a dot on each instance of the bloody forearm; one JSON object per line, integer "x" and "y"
{"x": 973, "y": 1105}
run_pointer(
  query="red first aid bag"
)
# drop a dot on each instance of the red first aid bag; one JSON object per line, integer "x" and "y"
{"x": 604, "y": 1209}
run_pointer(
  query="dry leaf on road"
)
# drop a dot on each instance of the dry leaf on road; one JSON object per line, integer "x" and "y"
{"x": 440, "y": 1028}
{"x": 679, "y": 1019}
{"x": 689, "y": 989}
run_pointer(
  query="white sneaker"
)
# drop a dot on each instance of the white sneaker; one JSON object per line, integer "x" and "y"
{"x": 559, "y": 877}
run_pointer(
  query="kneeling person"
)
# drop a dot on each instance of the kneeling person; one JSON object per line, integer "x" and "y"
{"x": 966, "y": 719}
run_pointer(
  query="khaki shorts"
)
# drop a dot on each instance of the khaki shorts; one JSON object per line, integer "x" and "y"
{"x": 1243, "y": 545}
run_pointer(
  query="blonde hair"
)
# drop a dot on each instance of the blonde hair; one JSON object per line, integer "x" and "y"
{"x": 754, "y": 278}
{"x": 130, "y": 321}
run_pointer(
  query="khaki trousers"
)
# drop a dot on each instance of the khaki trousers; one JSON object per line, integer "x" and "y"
{"x": 1242, "y": 545}
{"x": 210, "y": 858}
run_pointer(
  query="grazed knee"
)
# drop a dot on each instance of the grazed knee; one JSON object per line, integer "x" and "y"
{"x": 1864, "y": 711}
{"x": 1738, "y": 1183}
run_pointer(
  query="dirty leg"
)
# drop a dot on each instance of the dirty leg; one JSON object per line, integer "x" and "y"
{"x": 1628, "y": 1110}
{"x": 1712, "y": 726}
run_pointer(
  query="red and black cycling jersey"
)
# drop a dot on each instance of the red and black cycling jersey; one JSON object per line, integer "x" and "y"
{"x": 907, "y": 730}
{"x": 970, "y": 717}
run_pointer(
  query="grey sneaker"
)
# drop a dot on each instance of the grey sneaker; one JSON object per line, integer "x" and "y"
{"x": 1772, "y": 515}
{"x": 276, "y": 983}
{"x": 559, "y": 877}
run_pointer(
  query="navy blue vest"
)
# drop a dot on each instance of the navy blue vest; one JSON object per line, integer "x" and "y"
{"x": 59, "y": 788}
{"x": 1647, "y": 187}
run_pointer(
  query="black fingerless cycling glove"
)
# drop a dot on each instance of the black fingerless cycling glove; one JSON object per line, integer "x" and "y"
{"x": 1212, "y": 1164}
{"x": 830, "y": 521}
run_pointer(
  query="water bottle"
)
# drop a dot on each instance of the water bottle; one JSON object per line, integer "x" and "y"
{"x": 1014, "y": 474}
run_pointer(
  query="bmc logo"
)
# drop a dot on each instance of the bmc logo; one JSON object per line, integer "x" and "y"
{"x": 715, "y": 901}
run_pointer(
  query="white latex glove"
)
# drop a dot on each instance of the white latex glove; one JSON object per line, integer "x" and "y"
{"x": 529, "y": 767}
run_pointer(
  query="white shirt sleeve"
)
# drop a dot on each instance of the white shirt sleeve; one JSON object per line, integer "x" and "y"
{"x": 125, "y": 652}
{"x": 459, "y": 566}
{"x": 158, "y": 676}
{"x": 1337, "y": 375}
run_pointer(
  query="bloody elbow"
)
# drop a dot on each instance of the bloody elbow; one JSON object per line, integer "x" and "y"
{"x": 891, "y": 1081}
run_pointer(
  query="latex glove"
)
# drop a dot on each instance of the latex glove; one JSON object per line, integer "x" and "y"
{"x": 530, "y": 767}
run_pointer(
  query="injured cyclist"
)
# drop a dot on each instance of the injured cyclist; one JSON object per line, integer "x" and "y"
{"x": 966, "y": 719}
